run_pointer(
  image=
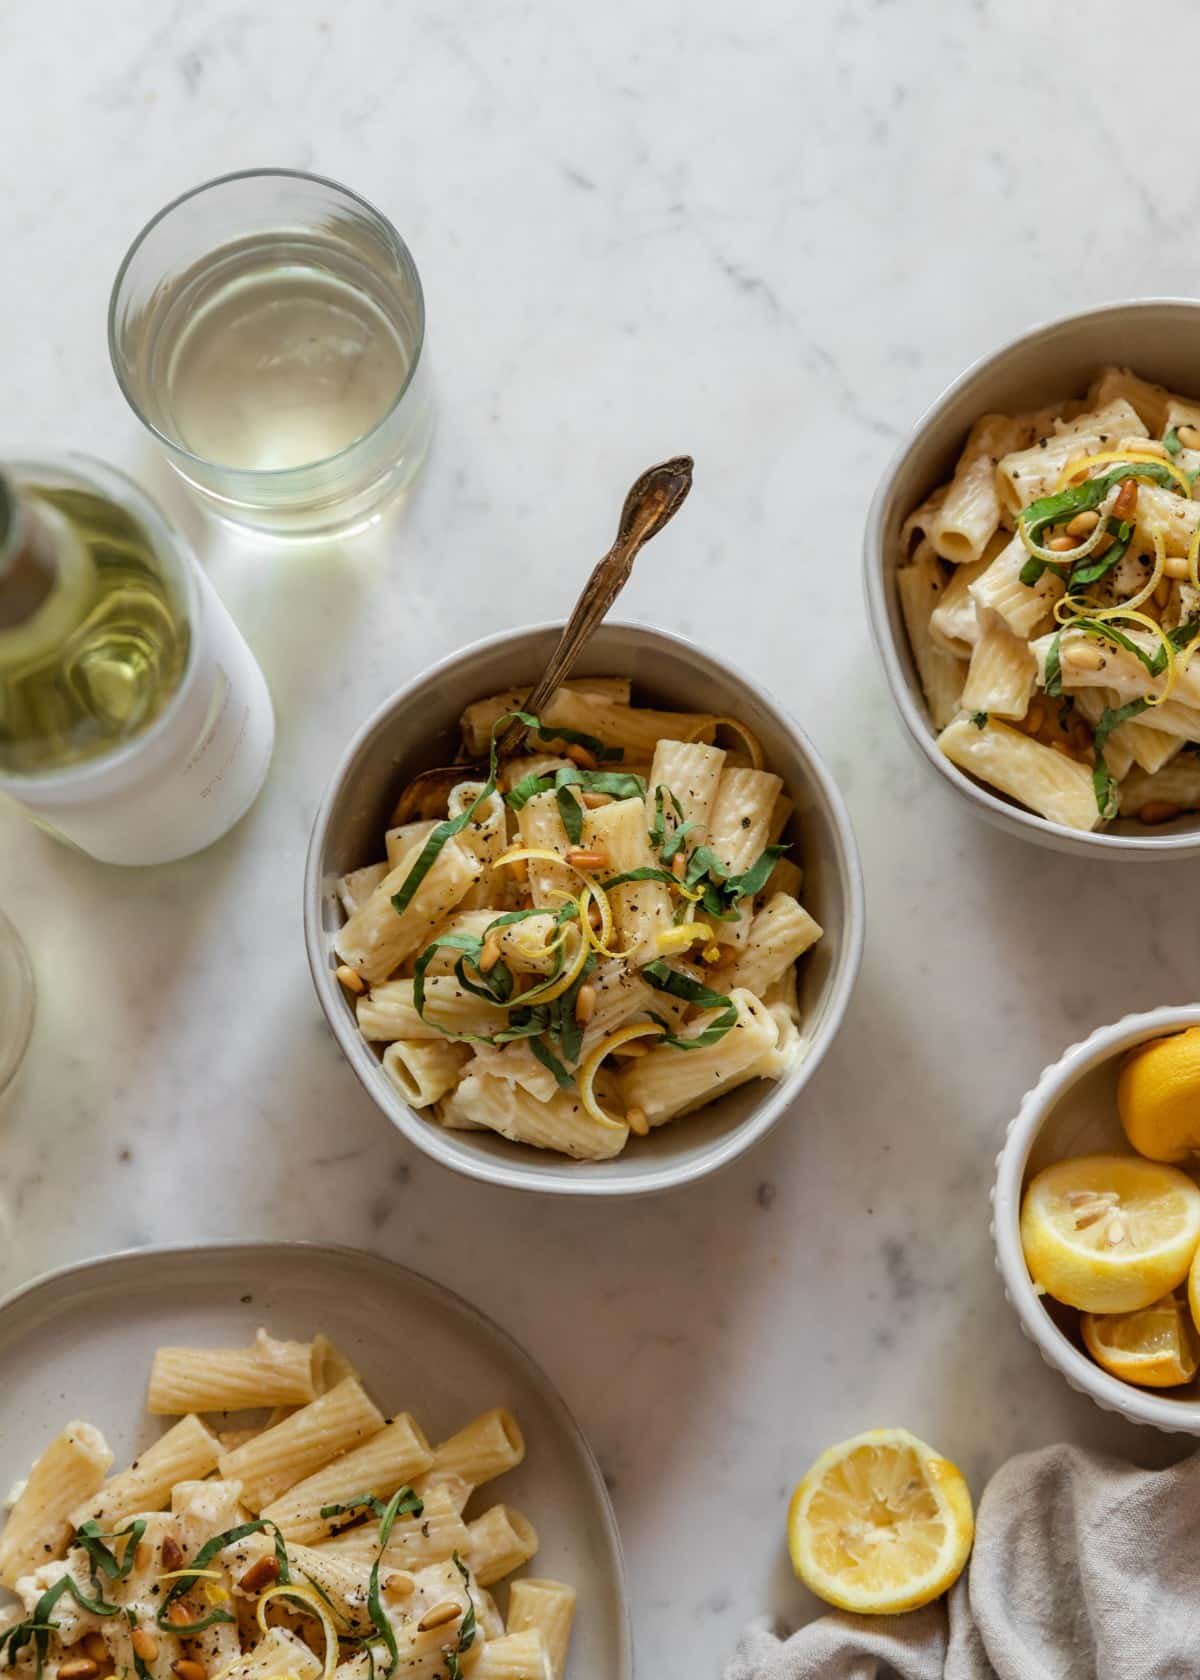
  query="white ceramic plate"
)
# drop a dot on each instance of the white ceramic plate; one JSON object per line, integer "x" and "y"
{"x": 78, "y": 1343}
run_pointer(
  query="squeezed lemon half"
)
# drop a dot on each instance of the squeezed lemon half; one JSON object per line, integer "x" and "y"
{"x": 1110, "y": 1233}
{"x": 1158, "y": 1096}
{"x": 1156, "y": 1347}
{"x": 881, "y": 1523}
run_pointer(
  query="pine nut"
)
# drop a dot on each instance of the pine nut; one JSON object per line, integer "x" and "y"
{"x": 1085, "y": 658}
{"x": 438, "y": 1617}
{"x": 78, "y": 1668}
{"x": 186, "y": 1669}
{"x": 635, "y": 1119}
{"x": 179, "y": 1615}
{"x": 398, "y": 1586}
{"x": 1126, "y": 502}
{"x": 1188, "y": 436}
{"x": 1177, "y": 567}
{"x": 349, "y": 978}
{"x": 262, "y": 1574}
{"x": 593, "y": 801}
{"x": 1083, "y": 524}
{"x": 1035, "y": 717}
{"x": 1158, "y": 811}
{"x": 583, "y": 756}
{"x": 489, "y": 956}
{"x": 144, "y": 1644}
{"x": 93, "y": 1644}
{"x": 172, "y": 1552}
{"x": 583, "y": 859}
{"x": 679, "y": 866}
{"x": 1144, "y": 446}
{"x": 1061, "y": 545}
{"x": 585, "y": 1003}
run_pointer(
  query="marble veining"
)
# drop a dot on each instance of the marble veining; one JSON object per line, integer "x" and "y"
{"x": 768, "y": 238}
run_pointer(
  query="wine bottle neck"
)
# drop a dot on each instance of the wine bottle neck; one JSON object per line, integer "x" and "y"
{"x": 28, "y": 568}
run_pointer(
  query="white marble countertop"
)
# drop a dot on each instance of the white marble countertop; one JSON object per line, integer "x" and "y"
{"x": 767, "y": 235}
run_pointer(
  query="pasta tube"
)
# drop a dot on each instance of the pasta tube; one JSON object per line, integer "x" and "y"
{"x": 392, "y": 1457}
{"x": 270, "y": 1373}
{"x": 280, "y": 1457}
{"x": 71, "y": 1469}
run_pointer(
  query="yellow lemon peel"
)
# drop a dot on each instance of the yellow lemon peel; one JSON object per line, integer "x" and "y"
{"x": 585, "y": 1078}
{"x": 1083, "y": 463}
{"x": 312, "y": 1599}
{"x": 748, "y": 736}
{"x": 674, "y": 940}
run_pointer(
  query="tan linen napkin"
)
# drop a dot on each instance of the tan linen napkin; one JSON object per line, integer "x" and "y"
{"x": 1084, "y": 1568}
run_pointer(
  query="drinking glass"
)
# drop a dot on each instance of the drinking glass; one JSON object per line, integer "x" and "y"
{"x": 268, "y": 328}
{"x": 16, "y": 1001}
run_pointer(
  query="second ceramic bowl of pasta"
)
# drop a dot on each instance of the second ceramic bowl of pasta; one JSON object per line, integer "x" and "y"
{"x": 1071, "y": 1112}
{"x": 419, "y": 728}
{"x": 1160, "y": 340}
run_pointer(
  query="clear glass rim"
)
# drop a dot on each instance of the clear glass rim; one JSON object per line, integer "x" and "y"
{"x": 10, "y": 937}
{"x": 278, "y": 475}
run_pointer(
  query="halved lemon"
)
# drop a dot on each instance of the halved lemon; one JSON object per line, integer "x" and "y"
{"x": 1158, "y": 1096}
{"x": 1110, "y": 1233}
{"x": 1157, "y": 1347}
{"x": 881, "y": 1523}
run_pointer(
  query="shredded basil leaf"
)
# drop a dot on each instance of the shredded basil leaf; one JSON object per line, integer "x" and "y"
{"x": 647, "y": 872}
{"x": 1078, "y": 498}
{"x": 101, "y": 1561}
{"x": 1171, "y": 441}
{"x": 549, "y": 1060}
{"x": 466, "y": 1628}
{"x": 574, "y": 737}
{"x": 672, "y": 846}
{"x": 201, "y": 1561}
{"x": 1107, "y": 797}
{"x": 404, "y": 1502}
{"x": 1053, "y": 682}
{"x": 1092, "y": 569}
{"x": 570, "y": 812}
{"x": 38, "y": 1627}
{"x": 665, "y": 979}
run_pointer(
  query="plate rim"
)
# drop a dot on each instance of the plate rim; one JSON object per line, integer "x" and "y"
{"x": 59, "y": 1275}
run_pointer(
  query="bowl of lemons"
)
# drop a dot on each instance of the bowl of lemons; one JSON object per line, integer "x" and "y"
{"x": 1096, "y": 1217}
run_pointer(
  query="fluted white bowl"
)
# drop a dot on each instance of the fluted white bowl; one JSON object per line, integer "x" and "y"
{"x": 1072, "y": 1110}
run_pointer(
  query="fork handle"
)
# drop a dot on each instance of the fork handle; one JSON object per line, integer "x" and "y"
{"x": 652, "y": 501}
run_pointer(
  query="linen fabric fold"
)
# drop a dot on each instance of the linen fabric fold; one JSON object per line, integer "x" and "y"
{"x": 1084, "y": 1568}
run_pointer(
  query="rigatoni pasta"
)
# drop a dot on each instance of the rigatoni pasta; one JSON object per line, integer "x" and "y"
{"x": 1051, "y": 596}
{"x": 632, "y": 871}
{"x": 367, "y": 1567}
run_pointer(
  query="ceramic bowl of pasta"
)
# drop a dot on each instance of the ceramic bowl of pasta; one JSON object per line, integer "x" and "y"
{"x": 617, "y": 956}
{"x": 282, "y": 1514}
{"x": 1033, "y": 579}
{"x": 1096, "y": 1217}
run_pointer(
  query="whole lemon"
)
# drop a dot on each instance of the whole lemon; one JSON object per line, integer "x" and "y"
{"x": 1158, "y": 1096}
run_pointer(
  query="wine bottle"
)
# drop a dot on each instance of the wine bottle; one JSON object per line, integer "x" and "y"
{"x": 134, "y": 720}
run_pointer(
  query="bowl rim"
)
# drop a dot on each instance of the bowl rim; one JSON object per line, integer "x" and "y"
{"x": 556, "y": 1177}
{"x": 1010, "y": 816}
{"x": 1139, "y": 1405}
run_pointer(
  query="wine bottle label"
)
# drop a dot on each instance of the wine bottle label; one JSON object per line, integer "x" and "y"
{"x": 189, "y": 779}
